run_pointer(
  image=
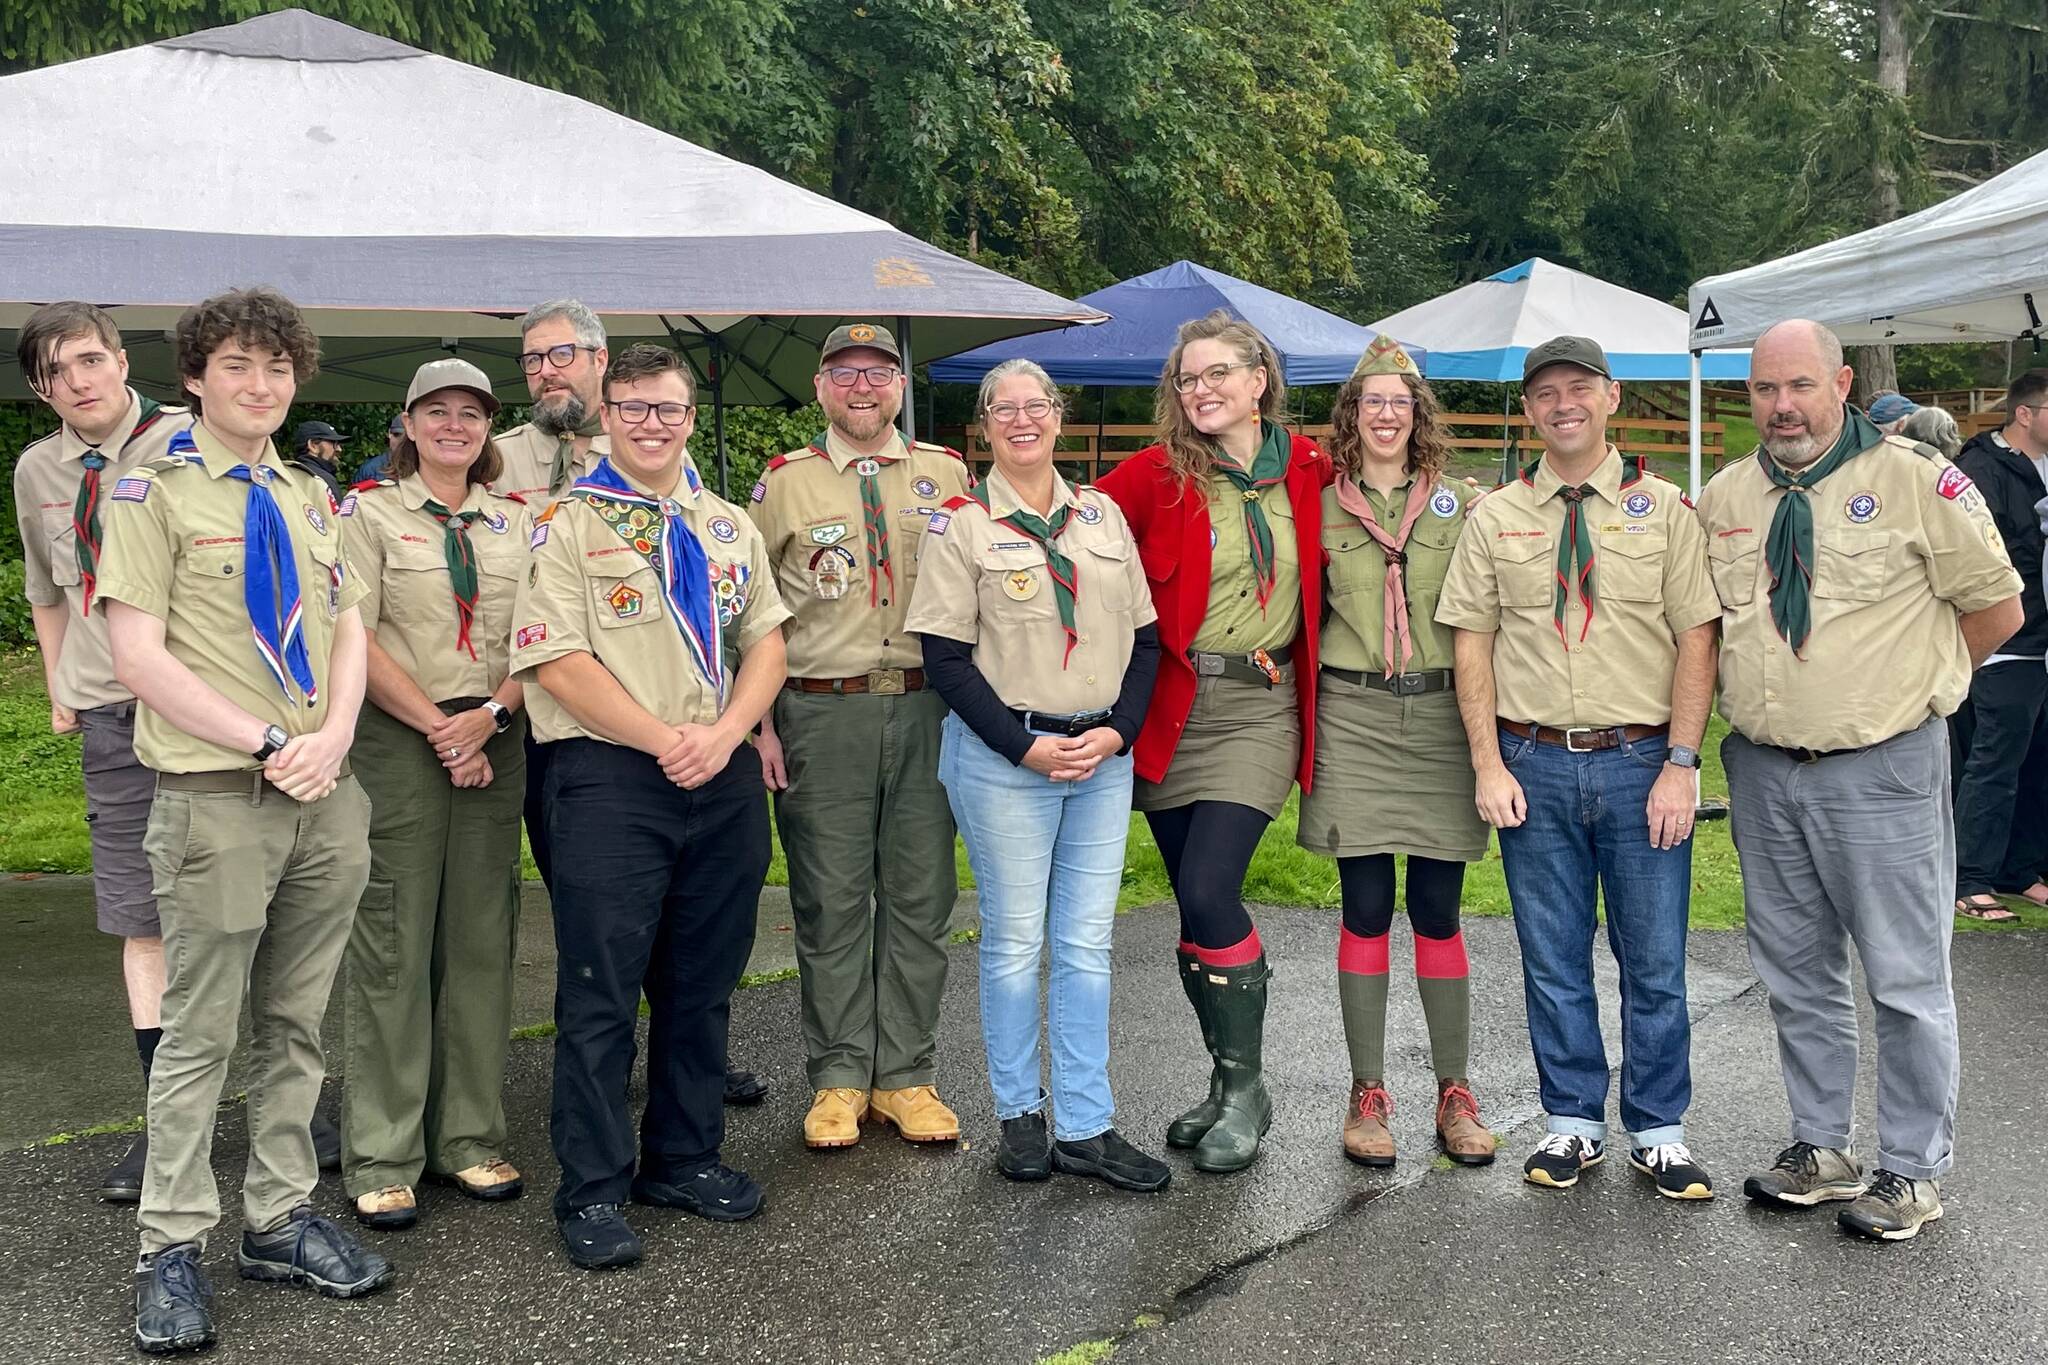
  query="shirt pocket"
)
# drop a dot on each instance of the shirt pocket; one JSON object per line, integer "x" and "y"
{"x": 322, "y": 578}
{"x": 1732, "y": 561}
{"x": 62, "y": 539}
{"x": 1104, "y": 570}
{"x": 1631, "y": 568}
{"x": 1850, "y": 565}
{"x": 1016, "y": 585}
{"x": 1525, "y": 569}
{"x": 624, "y": 592}
{"x": 1357, "y": 563}
{"x": 416, "y": 588}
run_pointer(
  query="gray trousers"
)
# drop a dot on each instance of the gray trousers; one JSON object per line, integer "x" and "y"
{"x": 1858, "y": 847}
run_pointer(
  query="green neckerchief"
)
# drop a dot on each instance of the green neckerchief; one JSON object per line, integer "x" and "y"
{"x": 461, "y": 557}
{"x": 1044, "y": 531}
{"x": 85, "y": 505}
{"x": 565, "y": 452}
{"x": 1574, "y": 558}
{"x": 1269, "y": 467}
{"x": 1789, "y": 547}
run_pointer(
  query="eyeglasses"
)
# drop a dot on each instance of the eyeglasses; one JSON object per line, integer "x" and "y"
{"x": 635, "y": 411}
{"x": 1380, "y": 402}
{"x": 878, "y": 376}
{"x": 1212, "y": 377}
{"x": 1036, "y": 409}
{"x": 559, "y": 356}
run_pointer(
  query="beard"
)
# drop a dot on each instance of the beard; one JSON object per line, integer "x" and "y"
{"x": 562, "y": 414}
{"x": 1793, "y": 452}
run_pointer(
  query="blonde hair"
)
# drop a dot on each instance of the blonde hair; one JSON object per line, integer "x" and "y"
{"x": 1429, "y": 444}
{"x": 1190, "y": 454}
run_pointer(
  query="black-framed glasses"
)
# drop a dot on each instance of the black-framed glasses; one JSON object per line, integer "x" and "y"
{"x": 634, "y": 411}
{"x": 878, "y": 376}
{"x": 561, "y": 357}
{"x": 1398, "y": 404}
{"x": 1037, "y": 409}
{"x": 1212, "y": 377}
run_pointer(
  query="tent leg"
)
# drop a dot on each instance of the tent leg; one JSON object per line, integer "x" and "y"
{"x": 909, "y": 415}
{"x": 1507, "y": 444}
{"x": 1693, "y": 434}
{"x": 718, "y": 415}
{"x": 1101, "y": 402}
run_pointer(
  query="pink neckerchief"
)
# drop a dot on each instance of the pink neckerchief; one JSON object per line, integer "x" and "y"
{"x": 1394, "y": 622}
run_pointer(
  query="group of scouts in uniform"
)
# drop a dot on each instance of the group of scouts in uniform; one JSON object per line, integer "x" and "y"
{"x": 563, "y": 621}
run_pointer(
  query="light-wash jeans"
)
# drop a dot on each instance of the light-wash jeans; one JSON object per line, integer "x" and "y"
{"x": 1042, "y": 851}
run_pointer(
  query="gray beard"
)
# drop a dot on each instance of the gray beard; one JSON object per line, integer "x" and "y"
{"x": 1792, "y": 452}
{"x": 563, "y": 417}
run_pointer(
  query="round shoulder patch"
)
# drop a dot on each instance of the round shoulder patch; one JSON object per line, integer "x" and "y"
{"x": 1863, "y": 507}
{"x": 924, "y": 487}
{"x": 723, "y": 529}
{"x": 1089, "y": 513}
{"x": 1444, "y": 503}
{"x": 1638, "y": 504}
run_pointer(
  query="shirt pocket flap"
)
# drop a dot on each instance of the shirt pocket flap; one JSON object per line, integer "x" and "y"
{"x": 1521, "y": 549}
{"x": 224, "y": 561}
{"x": 622, "y": 563}
{"x": 1850, "y": 565}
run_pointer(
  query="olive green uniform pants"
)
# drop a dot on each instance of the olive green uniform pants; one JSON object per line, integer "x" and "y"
{"x": 256, "y": 893}
{"x": 430, "y": 962}
{"x": 869, "y": 841}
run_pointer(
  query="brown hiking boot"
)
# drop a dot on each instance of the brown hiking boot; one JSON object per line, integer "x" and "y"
{"x": 1367, "y": 1140}
{"x": 1465, "y": 1139}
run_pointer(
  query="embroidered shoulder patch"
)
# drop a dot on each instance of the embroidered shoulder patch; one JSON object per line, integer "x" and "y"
{"x": 531, "y": 635}
{"x": 939, "y": 522}
{"x": 539, "y": 537}
{"x": 1952, "y": 484}
{"x": 132, "y": 490}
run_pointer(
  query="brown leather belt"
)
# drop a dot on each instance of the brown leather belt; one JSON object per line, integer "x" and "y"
{"x": 1584, "y": 739}
{"x": 248, "y": 782}
{"x": 883, "y": 682}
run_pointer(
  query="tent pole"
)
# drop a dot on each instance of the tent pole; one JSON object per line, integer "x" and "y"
{"x": 718, "y": 412}
{"x": 1101, "y": 402}
{"x": 909, "y": 415}
{"x": 1507, "y": 445}
{"x": 1693, "y": 434}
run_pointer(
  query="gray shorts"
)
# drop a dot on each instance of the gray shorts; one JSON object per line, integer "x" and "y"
{"x": 118, "y": 790}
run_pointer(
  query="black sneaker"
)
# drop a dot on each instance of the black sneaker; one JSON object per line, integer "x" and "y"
{"x": 1559, "y": 1158}
{"x": 744, "y": 1087}
{"x": 717, "y": 1192}
{"x": 310, "y": 1250}
{"x": 599, "y": 1237}
{"x": 326, "y": 1142}
{"x": 1108, "y": 1158}
{"x": 122, "y": 1184}
{"x": 171, "y": 1298}
{"x": 1026, "y": 1149}
{"x": 1671, "y": 1165}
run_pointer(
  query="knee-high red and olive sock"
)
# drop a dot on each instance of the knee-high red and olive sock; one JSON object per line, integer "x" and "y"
{"x": 1362, "y": 993}
{"x": 1443, "y": 976}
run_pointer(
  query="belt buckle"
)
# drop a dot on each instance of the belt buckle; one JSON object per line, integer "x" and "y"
{"x": 1572, "y": 747}
{"x": 1208, "y": 665}
{"x": 1408, "y": 684}
{"x": 885, "y": 682}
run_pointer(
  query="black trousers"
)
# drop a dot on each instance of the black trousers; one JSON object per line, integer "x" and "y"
{"x": 2000, "y": 742}
{"x": 536, "y": 808}
{"x": 656, "y": 889}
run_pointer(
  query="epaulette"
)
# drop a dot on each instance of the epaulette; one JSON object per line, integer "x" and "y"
{"x": 364, "y": 485}
{"x": 784, "y": 458}
{"x": 943, "y": 450}
{"x": 164, "y": 463}
{"x": 960, "y": 500}
{"x": 541, "y": 517}
{"x": 1920, "y": 448}
{"x": 511, "y": 497}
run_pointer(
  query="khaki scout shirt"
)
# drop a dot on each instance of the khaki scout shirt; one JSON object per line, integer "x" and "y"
{"x": 46, "y": 480}
{"x": 586, "y": 590}
{"x": 400, "y": 553}
{"x": 1903, "y": 543}
{"x": 529, "y": 456}
{"x": 807, "y": 506}
{"x": 1234, "y": 622}
{"x": 1356, "y": 571}
{"x": 988, "y": 585}
{"x": 175, "y": 548}
{"x": 1650, "y": 583}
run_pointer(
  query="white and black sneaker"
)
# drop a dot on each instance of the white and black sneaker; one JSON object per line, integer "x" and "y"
{"x": 1560, "y": 1157}
{"x": 1805, "y": 1175}
{"x": 1671, "y": 1165}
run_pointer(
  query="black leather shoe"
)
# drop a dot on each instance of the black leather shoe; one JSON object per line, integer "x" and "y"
{"x": 1108, "y": 1158}
{"x": 1026, "y": 1149}
{"x": 744, "y": 1087}
{"x": 326, "y": 1142}
{"x": 171, "y": 1302}
{"x": 717, "y": 1192}
{"x": 122, "y": 1184}
{"x": 599, "y": 1238}
{"x": 310, "y": 1250}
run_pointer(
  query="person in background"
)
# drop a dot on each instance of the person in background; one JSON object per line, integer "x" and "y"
{"x": 1889, "y": 409}
{"x": 316, "y": 448}
{"x": 1934, "y": 427}
{"x": 379, "y": 465}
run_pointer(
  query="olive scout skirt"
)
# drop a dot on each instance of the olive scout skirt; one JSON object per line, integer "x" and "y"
{"x": 1393, "y": 775}
{"x": 1241, "y": 744}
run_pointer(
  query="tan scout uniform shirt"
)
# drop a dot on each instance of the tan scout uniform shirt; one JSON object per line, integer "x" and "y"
{"x": 1903, "y": 542}
{"x": 176, "y": 548}
{"x": 400, "y": 552}
{"x": 1234, "y": 622}
{"x": 988, "y": 585}
{"x": 46, "y": 480}
{"x": 529, "y": 456}
{"x": 587, "y": 590}
{"x": 807, "y": 506}
{"x": 1650, "y": 583}
{"x": 1356, "y": 570}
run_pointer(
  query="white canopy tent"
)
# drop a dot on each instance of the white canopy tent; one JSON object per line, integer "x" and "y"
{"x": 417, "y": 206}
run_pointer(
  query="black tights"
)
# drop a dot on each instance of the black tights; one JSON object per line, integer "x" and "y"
{"x": 1208, "y": 848}
{"x": 1434, "y": 889}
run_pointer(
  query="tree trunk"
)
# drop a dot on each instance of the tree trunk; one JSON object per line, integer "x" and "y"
{"x": 1875, "y": 366}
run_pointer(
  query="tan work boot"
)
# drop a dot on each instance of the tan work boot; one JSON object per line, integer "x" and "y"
{"x": 1367, "y": 1139}
{"x": 834, "y": 1120}
{"x": 918, "y": 1113}
{"x": 489, "y": 1180}
{"x": 1464, "y": 1138}
{"x": 389, "y": 1209}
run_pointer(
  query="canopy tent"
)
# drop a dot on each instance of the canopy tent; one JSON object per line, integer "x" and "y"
{"x": 1130, "y": 350}
{"x": 417, "y": 206}
{"x": 1482, "y": 331}
{"x": 1971, "y": 268}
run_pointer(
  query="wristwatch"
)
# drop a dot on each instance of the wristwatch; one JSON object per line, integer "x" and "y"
{"x": 274, "y": 738}
{"x": 1683, "y": 757}
{"x": 500, "y": 716}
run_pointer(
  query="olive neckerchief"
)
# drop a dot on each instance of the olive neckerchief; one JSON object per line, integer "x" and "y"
{"x": 461, "y": 556}
{"x": 85, "y": 508}
{"x": 1576, "y": 550}
{"x": 1788, "y": 548}
{"x": 1269, "y": 467}
{"x": 874, "y": 518}
{"x": 1066, "y": 585}
{"x": 565, "y": 452}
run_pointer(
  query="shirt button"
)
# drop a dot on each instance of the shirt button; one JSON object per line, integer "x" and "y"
{"x": 1770, "y": 696}
{"x": 885, "y": 601}
{"x": 1245, "y": 593}
{"x": 1770, "y": 649}
{"x": 1091, "y": 677}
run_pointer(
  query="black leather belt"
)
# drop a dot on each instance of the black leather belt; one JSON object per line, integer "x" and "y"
{"x": 1244, "y": 666}
{"x": 1070, "y": 726}
{"x": 1401, "y": 684}
{"x": 1813, "y": 755}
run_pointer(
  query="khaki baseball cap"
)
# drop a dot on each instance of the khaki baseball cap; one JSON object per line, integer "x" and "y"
{"x": 866, "y": 334}
{"x": 451, "y": 373}
{"x": 1583, "y": 352}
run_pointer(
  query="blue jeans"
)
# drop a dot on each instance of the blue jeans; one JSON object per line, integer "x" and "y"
{"x": 1588, "y": 825}
{"x": 1042, "y": 850}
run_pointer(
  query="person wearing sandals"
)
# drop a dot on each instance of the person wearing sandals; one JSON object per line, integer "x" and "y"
{"x": 1227, "y": 510}
{"x": 440, "y": 750}
{"x": 1393, "y": 776}
{"x": 1038, "y": 632}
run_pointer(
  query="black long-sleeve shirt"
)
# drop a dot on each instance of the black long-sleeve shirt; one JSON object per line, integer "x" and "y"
{"x": 949, "y": 667}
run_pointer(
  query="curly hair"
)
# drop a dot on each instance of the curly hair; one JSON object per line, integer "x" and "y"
{"x": 645, "y": 360}
{"x": 1429, "y": 445}
{"x": 1190, "y": 454}
{"x": 254, "y": 317}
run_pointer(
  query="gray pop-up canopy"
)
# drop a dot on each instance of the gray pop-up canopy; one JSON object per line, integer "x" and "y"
{"x": 416, "y": 205}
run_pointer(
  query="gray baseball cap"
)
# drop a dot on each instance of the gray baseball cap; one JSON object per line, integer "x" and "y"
{"x": 451, "y": 373}
{"x": 1583, "y": 352}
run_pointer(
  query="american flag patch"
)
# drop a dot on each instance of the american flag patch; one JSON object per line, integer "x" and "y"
{"x": 348, "y": 506}
{"x": 939, "y": 522}
{"x": 132, "y": 490}
{"x": 760, "y": 490}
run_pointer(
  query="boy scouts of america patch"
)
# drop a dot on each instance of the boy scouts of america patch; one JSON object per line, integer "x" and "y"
{"x": 831, "y": 571}
{"x": 1089, "y": 514}
{"x": 939, "y": 522}
{"x": 729, "y": 585}
{"x": 723, "y": 529}
{"x": 1444, "y": 503}
{"x": 537, "y": 633}
{"x": 1638, "y": 504}
{"x": 1020, "y": 585}
{"x": 760, "y": 490}
{"x": 828, "y": 535}
{"x": 496, "y": 521}
{"x": 1953, "y": 483}
{"x": 625, "y": 601}
{"x": 924, "y": 488}
{"x": 1864, "y": 507}
{"x": 132, "y": 490}
{"x": 318, "y": 522}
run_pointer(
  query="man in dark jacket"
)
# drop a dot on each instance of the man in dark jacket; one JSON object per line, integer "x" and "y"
{"x": 2001, "y": 732}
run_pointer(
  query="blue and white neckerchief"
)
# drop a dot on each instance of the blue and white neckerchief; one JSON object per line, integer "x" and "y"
{"x": 656, "y": 529}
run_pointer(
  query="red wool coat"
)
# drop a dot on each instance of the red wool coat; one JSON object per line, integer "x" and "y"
{"x": 1171, "y": 525}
